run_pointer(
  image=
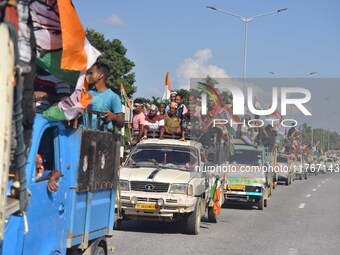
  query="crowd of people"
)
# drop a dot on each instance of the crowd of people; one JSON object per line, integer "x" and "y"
{"x": 175, "y": 115}
{"x": 172, "y": 116}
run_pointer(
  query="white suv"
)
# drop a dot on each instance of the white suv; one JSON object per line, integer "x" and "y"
{"x": 161, "y": 181}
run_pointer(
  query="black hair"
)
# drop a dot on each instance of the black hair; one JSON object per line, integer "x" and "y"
{"x": 138, "y": 101}
{"x": 104, "y": 69}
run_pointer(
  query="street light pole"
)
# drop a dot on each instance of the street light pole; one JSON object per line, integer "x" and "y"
{"x": 312, "y": 142}
{"x": 245, "y": 53}
{"x": 246, "y": 20}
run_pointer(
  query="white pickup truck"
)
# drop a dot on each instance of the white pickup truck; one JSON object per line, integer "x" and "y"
{"x": 161, "y": 180}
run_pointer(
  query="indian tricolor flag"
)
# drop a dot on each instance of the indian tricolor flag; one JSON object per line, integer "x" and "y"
{"x": 63, "y": 51}
{"x": 167, "y": 90}
{"x": 124, "y": 97}
{"x": 277, "y": 119}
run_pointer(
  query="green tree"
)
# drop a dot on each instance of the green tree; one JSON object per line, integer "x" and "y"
{"x": 210, "y": 81}
{"x": 225, "y": 95}
{"x": 155, "y": 100}
{"x": 114, "y": 56}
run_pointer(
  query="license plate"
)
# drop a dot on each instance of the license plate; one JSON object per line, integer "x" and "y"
{"x": 147, "y": 207}
{"x": 237, "y": 187}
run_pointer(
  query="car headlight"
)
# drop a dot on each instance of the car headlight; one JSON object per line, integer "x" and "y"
{"x": 180, "y": 188}
{"x": 124, "y": 185}
{"x": 160, "y": 202}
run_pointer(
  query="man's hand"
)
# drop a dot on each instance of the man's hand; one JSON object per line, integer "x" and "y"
{"x": 134, "y": 142}
{"x": 117, "y": 118}
{"x": 109, "y": 116}
{"x": 38, "y": 95}
{"x": 52, "y": 185}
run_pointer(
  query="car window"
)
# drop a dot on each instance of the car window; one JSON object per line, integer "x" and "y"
{"x": 247, "y": 157}
{"x": 47, "y": 153}
{"x": 177, "y": 157}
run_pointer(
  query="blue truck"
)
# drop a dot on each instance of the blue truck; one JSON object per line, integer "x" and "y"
{"x": 79, "y": 215}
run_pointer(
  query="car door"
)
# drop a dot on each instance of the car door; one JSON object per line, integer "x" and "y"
{"x": 46, "y": 211}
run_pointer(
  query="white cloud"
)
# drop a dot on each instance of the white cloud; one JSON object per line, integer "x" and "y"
{"x": 114, "y": 20}
{"x": 198, "y": 67}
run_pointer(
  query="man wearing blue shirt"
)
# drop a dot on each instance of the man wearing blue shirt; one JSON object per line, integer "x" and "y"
{"x": 104, "y": 99}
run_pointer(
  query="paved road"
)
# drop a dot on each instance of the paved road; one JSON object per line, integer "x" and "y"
{"x": 300, "y": 219}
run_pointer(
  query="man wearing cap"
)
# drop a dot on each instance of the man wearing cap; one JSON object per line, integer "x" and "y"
{"x": 154, "y": 122}
{"x": 172, "y": 121}
{"x": 172, "y": 99}
{"x": 161, "y": 108}
{"x": 138, "y": 121}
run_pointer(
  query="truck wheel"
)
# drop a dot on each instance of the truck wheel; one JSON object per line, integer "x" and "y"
{"x": 194, "y": 219}
{"x": 212, "y": 217}
{"x": 99, "y": 251}
{"x": 265, "y": 202}
{"x": 260, "y": 204}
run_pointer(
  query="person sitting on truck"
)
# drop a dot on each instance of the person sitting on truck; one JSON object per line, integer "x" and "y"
{"x": 154, "y": 122}
{"x": 104, "y": 99}
{"x": 172, "y": 99}
{"x": 138, "y": 121}
{"x": 161, "y": 108}
{"x": 172, "y": 122}
{"x": 244, "y": 131}
{"x": 48, "y": 90}
{"x": 193, "y": 102}
{"x": 181, "y": 108}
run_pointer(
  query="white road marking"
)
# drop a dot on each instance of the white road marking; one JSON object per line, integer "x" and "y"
{"x": 323, "y": 182}
{"x": 314, "y": 189}
{"x": 302, "y": 205}
{"x": 319, "y": 185}
{"x": 309, "y": 195}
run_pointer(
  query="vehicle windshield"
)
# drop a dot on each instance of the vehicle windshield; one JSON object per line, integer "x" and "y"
{"x": 282, "y": 160}
{"x": 246, "y": 157}
{"x": 329, "y": 160}
{"x": 166, "y": 156}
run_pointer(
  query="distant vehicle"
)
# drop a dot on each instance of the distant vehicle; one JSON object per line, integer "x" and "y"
{"x": 300, "y": 170}
{"x": 285, "y": 171}
{"x": 322, "y": 167}
{"x": 247, "y": 180}
{"x": 330, "y": 164}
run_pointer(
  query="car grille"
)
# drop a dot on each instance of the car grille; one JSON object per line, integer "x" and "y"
{"x": 150, "y": 186}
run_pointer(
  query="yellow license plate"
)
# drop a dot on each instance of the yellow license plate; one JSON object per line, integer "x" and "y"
{"x": 237, "y": 187}
{"x": 147, "y": 207}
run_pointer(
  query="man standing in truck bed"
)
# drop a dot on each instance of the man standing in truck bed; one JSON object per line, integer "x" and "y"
{"x": 104, "y": 99}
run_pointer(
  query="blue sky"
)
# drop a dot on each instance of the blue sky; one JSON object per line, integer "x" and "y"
{"x": 189, "y": 40}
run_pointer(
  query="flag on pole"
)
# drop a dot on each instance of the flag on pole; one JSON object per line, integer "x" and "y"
{"x": 63, "y": 51}
{"x": 277, "y": 119}
{"x": 257, "y": 104}
{"x": 167, "y": 90}
{"x": 124, "y": 98}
